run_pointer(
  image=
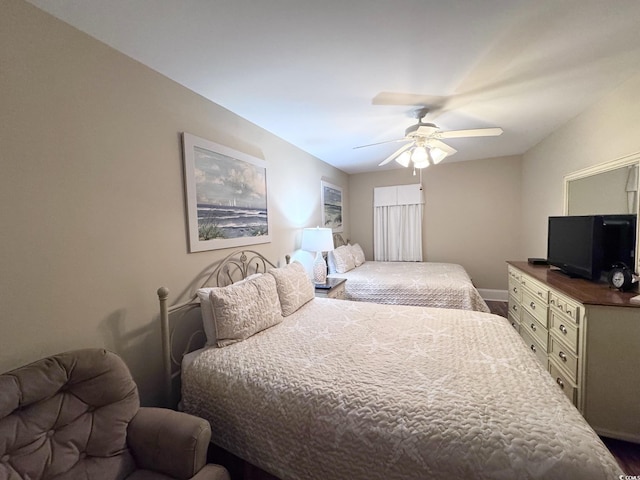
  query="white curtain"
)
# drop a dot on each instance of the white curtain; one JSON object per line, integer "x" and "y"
{"x": 397, "y": 223}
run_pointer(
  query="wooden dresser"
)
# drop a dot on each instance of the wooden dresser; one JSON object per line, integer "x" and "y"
{"x": 587, "y": 336}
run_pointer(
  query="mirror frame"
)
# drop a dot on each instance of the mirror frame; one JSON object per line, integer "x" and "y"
{"x": 626, "y": 161}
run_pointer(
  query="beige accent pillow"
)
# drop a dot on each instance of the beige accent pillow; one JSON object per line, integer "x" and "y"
{"x": 244, "y": 309}
{"x": 343, "y": 259}
{"x": 295, "y": 288}
{"x": 358, "y": 254}
{"x": 206, "y": 310}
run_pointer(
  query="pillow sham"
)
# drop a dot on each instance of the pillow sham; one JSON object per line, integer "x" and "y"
{"x": 343, "y": 259}
{"x": 358, "y": 254}
{"x": 294, "y": 287}
{"x": 244, "y": 309}
{"x": 206, "y": 310}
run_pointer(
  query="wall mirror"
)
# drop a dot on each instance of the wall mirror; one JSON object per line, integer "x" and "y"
{"x": 607, "y": 188}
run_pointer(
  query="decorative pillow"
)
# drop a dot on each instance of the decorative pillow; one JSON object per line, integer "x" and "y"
{"x": 244, "y": 309}
{"x": 343, "y": 259}
{"x": 294, "y": 287}
{"x": 206, "y": 310}
{"x": 358, "y": 254}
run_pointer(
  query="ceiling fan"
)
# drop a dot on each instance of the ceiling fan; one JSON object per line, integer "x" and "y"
{"x": 425, "y": 145}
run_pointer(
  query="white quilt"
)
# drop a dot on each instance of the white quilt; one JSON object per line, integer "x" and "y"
{"x": 427, "y": 284}
{"x": 354, "y": 390}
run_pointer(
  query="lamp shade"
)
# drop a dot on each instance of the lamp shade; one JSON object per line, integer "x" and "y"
{"x": 437, "y": 154}
{"x": 317, "y": 239}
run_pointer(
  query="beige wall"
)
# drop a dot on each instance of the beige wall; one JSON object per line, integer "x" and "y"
{"x": 91, "y": 193}
{"x": 606, "y": 131}
{"x": 471, "y": 214}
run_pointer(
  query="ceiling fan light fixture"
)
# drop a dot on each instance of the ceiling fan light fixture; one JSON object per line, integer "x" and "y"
{"x": 404, "y": 158}
{"x": 437, "y": 155}
{"x": 419, "y": 155}
{"x": 421, "y": 164}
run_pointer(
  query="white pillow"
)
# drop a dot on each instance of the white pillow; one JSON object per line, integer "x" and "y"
{"x": 206, "y": 310}
{"x": 343, "y": 259}
{"x": 358, "y": 254}
{"x": 295, "y": 288}
{"x": 244, "y": 309}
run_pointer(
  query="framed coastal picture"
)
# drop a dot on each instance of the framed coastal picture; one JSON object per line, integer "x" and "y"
{"x": 331, "y": 202}
{"x": 226, "y": 196}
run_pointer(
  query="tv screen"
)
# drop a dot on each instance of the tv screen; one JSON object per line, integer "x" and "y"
{"x": 589, "y": 245}
{"x": 571, "y": 245}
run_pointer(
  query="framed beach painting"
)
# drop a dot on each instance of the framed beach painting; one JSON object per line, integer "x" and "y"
{"x": 331, "y": 202}
{"x": 226, "y": 196}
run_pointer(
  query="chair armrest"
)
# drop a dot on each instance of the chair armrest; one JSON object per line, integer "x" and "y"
{"x": 212, "y": 472}
{"x": 169, "y": 442}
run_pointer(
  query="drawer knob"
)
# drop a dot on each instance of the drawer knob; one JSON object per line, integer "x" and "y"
{"x": 562, "y": 356}
{"x": 515, "y": 290}
{"x": 560, "y": 382}
{"x": 570, "y": 313}
{"x": 560, "y": 307}
{"x": 533, "y": 347}
{"x": 532, "y": 305}
{"x": 563, "y": 329}
{"x": 515, "y": 307}
{"x": 533, "y": 327}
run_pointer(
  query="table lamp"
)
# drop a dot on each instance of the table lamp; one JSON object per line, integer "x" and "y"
{"x": 318, "y": 240}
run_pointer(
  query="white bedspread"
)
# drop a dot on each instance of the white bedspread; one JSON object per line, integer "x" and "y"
{"x": 427, "y": 284}
{"x": 354, "y": 390}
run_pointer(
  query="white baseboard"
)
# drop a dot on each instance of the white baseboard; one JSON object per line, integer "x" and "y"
{"x": 625, "y": 436}
{"x": 494, "y": 295}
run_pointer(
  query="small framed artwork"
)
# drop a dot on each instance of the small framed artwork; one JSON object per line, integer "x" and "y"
{"x": 226, "y": 196}
{"x": 331, "y": 203}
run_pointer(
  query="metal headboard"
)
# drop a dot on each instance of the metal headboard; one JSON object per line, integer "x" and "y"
{"x": 338, "y": 241}
{"x": 181, "y": 324}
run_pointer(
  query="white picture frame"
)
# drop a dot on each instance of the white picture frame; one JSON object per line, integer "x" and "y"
{"x": 332, "y": 206}
{"x": 226, "y": 196}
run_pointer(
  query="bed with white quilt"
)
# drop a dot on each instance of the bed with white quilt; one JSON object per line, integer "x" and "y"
{"x": 315, "y": 388}
{"x": 427, "y": 284}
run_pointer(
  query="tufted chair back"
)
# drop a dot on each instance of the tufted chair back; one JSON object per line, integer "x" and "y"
{"x": 66, "y": 417}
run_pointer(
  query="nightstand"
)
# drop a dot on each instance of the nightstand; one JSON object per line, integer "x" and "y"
{"x": 332, "y": 288}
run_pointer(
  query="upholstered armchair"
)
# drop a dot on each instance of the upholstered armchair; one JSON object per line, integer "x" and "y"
{"x": 77, "y": 415}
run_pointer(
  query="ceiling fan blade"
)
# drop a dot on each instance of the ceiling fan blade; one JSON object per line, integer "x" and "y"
{"x": 474, "y": 132}
{"x": 442, "y": 146}
{"x": 381, "y": 143}
{"x": 395, "y": 154}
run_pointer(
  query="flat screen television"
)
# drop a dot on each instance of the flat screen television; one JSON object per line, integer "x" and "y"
{"x": 588, "y": 246}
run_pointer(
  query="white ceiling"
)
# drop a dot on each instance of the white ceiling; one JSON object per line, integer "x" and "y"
{"x": 312, "y": 72}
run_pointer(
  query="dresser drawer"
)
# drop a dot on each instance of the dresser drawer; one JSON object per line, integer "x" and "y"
{"x": 514, "y": 273}
{"x": 515, "y": 289}
{"x": 514, "y": 307}
{"x": 564, "y": 329}
{"x": 529, "y": 323}
{"x": 568, "y": 387}
{"x": 572, "y": 309}
{"x": 535, "y": 306}
{"x": 515, "y": 322}
{"x": 563, "y": 357}
{"x": 537, "y": 289}
{"x": 337, "y": 292}
{"x": 535, "y": 347}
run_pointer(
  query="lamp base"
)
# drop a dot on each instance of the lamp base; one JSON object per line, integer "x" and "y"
{"x": 319, "y": 269}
